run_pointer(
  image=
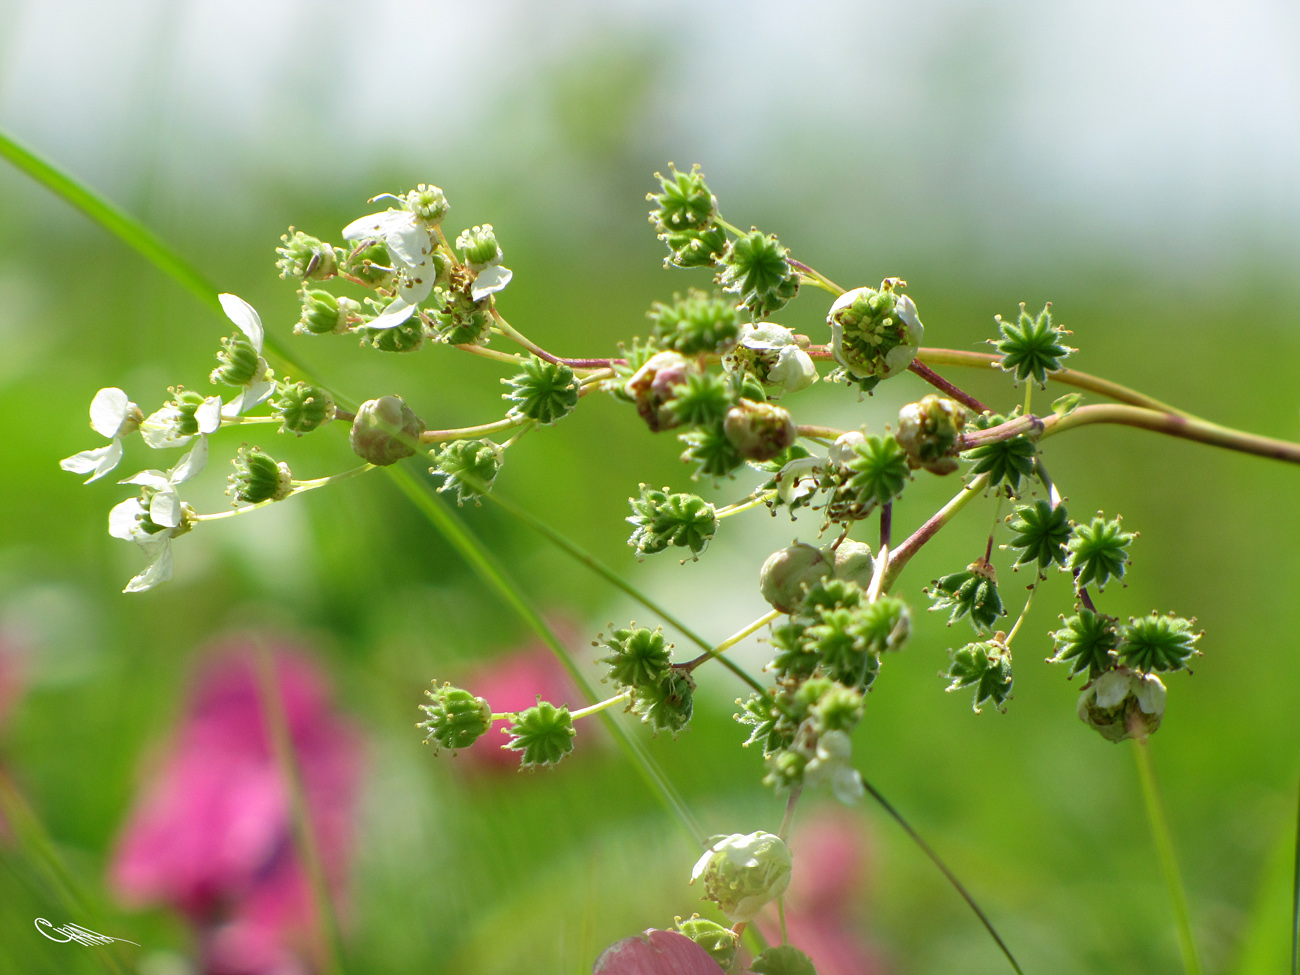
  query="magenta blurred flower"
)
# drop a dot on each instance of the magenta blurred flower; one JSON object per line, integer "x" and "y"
{"x": 656, "y": 953}
{"x": 832, "y": 865}
{"x": 212, "y": 835}
{"x": 513, "y": 682}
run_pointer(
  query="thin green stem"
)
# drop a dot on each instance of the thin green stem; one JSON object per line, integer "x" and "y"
{"x": 299, "y": 487}
{"x": 597, "y": 708}
{"x": 752, "y": 502}
{"x": 944, "y": 869}
{"x": 715, "y": 653}
{"x": 493, "y": 354}
{"x": 304, "y": 835}
{"x": 815, "y": 277}
{"x": 618, "y": 582}
{"x": 235, "y": 421}
{"x": 484, "y": 563}
{"x": 528, "y": 427}
{"x": 468, "y": 433}
{"x": 729, "y": 227}
{"x": 815, "y": 432}
{"x": 1165, "y": 851}
{"x": 788, "y": 819}
{"x": 1024, "y": 611}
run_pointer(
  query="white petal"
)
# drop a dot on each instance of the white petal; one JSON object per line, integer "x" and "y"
{"x": 392, "y": 316}
{"x": 165, "y": 509}
{"x": 245, "y": 317}
{"x": 766, "y": 335}
{"x": 847, "y": 785}
{"x": 1111, "y": 688}
{"x": 414, "y": 284}
{"x": 794, "y": 369}
{"x": 208, "y": 415}
{"x": 96, "y": 462}
{"x": 157, "y": 480}
{"x": 257, "y": 393}
{"x": 159, "y": 568}
{"x": 161, "y": 429}
{"x": 842, "y": 451}
{"x": 1151, "y": 695}
{"x": 124, "y": 519}
{"x": 190, "y": 464}
{"x": 409, "y": 243}
{"x": 108, "y": 410}
{"x": 490, "y": 280}
{"x": 378, "y": 225}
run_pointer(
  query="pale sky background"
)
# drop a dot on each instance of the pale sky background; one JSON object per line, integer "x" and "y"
{"x": 1167, "y": 130}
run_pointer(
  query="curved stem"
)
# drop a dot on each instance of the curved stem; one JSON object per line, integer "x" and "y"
{"x": 901, "y": 555}
{"x": 815, "y": 277}
{"x": 753, "y": 501}
{"x": 1165, "y": 851}
{"x": 467, "y": 433}
{"x": 493, "y": 354}
{"x": 1174, "y": 425}
{"x": 1067, "y": 377}
{"x": 597, "y": 708}
{"x": 509, "y": 331}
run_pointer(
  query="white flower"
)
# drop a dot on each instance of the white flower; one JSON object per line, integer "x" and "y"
{"x": 842, "y": 451}
{"x": 154, "y": 520}
{"x": 789, "y": 368}
{"x": 832, "y": 763}
{"x": 490, "y": 280}
{"x": 797, "y": 479}
{"x": 744, "y": 871}
{"x": 163, "y": 427}
{"x": 249, "y": 322}
{"x": 114, "y": 416}
{"x": 410, "y": 245}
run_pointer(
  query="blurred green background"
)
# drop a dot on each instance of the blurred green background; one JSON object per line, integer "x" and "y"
{"x": 1136, "y": 167}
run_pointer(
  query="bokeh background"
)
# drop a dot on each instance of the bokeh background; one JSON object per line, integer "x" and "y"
{"x": 1136, "y": 164}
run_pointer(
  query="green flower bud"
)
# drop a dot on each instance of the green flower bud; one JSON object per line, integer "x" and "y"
{"x": 1099, "y": 552}
{"x": 305, "y": 257}
{"x": 667, "y": 704}
{"x": 1158, "y": 642}
{"x": 1123, "y": 704}
{"x": 756, "y": 267}
{"x": 697, "y": 323}
{"x": 385, "y": 431}
{"x": 372, "y": 265}
{"x": 544, "y": 391}
{"x": 543, "y": 733}
{"x": 759, "y": 431}
{"x": 702, "y": 400}
{"x": 469, "y": 467}
{"x": 187, "y": 404}
{"x": 782, "y": 960}
{"x": 743, "y": 872}
{"x": 853, "y": 562}
{"x": 786, "y": 575}
{"x": 428, "y": 203}
{"x": 238, "y": 363}
{"x": 479, "y": 245}
{"x": 324, "y": 313}
{"x": 772, "y": 729}
{"x": 1006, "y": 461}
{"x": 258, "y": 477}
{"x": 985, "y": 666}
{"x": 461, "y": 320}
{"x": 694, "y": 248}
{"x": 1041, "y": 532}
{"x": 455, "y": 718}
{"x": 302, "y": 407}
{"x": 1032, "y": 346}
{"x": 661, "y": 519}
{"x": 928, "y": 431}
{"x": 405, "y": 337}
{"x": 640, "y": 657}
{"x": 685, "y": 202}
{"x": 1086, "y": 642}
{"x": 973, "y": 593}
{"x": 875, "y": 334}
{"x": 877, "y": 472}
{"x": 719, "y": 941}
{"x": 711, "y": 450}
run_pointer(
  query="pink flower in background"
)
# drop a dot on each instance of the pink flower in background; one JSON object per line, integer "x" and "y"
{"x": 212, "y": 835}
{"x": 832, "y": 867}
{"x": 512, "y": 682}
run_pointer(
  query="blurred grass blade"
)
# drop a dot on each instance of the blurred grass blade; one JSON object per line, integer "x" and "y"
{"x": 133, "y": 233}
{"x": 1266, "y": 934}
{"x": 485, "y": 564}
{"x": 35, "y": 844}
{"x": 117, "y": 222}
{"x": 1295, "y": 901}
{"x": 944, "y": 869}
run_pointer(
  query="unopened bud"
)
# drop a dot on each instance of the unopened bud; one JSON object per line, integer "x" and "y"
{"x": 928, "y": 431}
{"x": 787, "y": 574}
{"x": 759, "y": 431}
{"x": 385, "y": 431}
{"x": 1123, "y": 703}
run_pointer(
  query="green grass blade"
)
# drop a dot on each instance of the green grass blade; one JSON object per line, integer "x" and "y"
{"x": 490, "y": 570}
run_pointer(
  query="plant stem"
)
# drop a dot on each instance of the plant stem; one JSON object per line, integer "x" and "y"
{"x": 1165, "y": 851}
{"x": 466, "y": 433}
{"x": 761, "y": 497}
{"x": 901, "y": 555}
{"x": 816, "y": 277}
{"x": 715, "y": 653}
{"x": 304, "y": 835}
{"x": 941, "y": 384}
{"x": 815, "y": 432}
{"x": 597, "y": 708}
{"x": 1067, "y": 377}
